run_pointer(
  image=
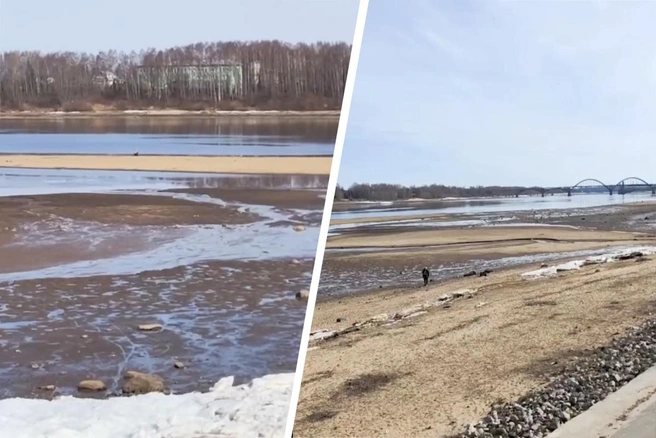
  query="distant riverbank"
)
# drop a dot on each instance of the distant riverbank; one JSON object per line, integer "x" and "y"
{"x": 166, "y": 113}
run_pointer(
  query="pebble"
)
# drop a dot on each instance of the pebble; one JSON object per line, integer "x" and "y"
{"x": 588, "y": 380}
{"x": 91, "y": 385}
{"x": 178, "y": 365}
{"x": 303, "y": 295}
{"x": 150, "y": 327}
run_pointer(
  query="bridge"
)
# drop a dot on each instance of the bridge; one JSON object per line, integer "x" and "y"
{"x": 591, "y": 185}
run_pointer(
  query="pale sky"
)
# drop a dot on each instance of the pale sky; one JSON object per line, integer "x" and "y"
{"x": 515, "y": 92}
{"x": 92, "y": 26}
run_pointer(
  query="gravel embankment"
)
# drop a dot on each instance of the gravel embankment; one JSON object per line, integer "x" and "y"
{"x": 580, "y": 385}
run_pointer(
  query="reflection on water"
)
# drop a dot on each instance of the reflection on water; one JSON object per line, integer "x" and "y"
{"x": 14, "y": 182}
{"x": 479, "y": 206}
{"x": 169, "y": 136}
{"x": 125, "y": 144}
{"x": 315, "y": 129}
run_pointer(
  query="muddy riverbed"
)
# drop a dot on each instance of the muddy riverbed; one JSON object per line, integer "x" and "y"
{"x": 496, "y": 240}
{"x": 215, "y": 261}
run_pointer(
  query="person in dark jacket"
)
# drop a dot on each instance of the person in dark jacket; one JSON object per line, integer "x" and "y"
{"x": 425, "y": 273}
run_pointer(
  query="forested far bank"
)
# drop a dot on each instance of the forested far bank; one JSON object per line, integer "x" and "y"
{"x": 393, "y": 192}
{"x": 263, "y": 75}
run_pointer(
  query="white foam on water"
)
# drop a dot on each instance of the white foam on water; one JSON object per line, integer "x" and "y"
{"x": 252, "y": 241}
{"x": 257, "y": 409}
{"x": 575, "y": 265}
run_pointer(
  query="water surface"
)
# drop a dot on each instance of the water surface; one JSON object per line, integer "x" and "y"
{"x": 497, "y": 205}
{"x": 169, "y": 136}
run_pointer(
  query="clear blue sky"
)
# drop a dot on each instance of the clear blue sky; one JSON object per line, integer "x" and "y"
{"x": 485, "y": 92}
{"x": 92, "y": 26}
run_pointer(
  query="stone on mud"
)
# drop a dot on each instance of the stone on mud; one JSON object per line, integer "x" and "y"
{"x": 632, "y": 255}
{"x": 91, "y": 385}
{"x": 463, "y": 293}
{"x": 323, "y": 335}
{"x": 150, "y": 327}
{"x": 303, "y": 295}
{"x": 47, "y": 387}
{"x": 141, "y": 383}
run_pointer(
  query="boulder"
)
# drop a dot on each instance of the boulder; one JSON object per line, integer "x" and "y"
{"x": 141, "y": 383}
{"x": 150, "y": 327}
{"x": 91, "y": 385}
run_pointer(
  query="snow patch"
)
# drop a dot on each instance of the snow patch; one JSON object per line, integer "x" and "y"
{"x": 258, "y": 408}
{"x": 575, "y": 265}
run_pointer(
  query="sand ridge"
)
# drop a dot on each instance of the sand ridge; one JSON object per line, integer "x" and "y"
{"x": 168, "y": 163}
{"x": 405, "y": 238}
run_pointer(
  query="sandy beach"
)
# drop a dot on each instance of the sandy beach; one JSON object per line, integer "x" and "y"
{"x": 427, "y": 365}
{"x": 472, "y": 236}
{"x": 217, "y": 164}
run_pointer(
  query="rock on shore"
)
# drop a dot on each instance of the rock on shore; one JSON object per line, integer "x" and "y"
{"x": 579, "y": 386}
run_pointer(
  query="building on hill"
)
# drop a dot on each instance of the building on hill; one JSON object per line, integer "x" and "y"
{"x": 221, "y": 80}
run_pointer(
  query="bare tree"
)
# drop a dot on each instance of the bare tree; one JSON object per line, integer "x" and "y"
{"x": 394, "y": 192}
{"x": 261, "y": 75}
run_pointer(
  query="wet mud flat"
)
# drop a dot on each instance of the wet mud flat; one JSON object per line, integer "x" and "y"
{"x": 214, "y": 268}
{"x": 383, "y": 253}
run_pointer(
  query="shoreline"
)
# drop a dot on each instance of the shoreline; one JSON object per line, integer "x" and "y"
{"x": 165, "y": 113}
{"x": 384, "y": 293}
{"x": 392, "y": 256}
{"x": 491, "y": 313}
{"x": 254, "y": 165}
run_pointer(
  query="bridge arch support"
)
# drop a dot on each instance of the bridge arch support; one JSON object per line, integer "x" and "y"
{"x": 578, "y": 184}
{"x": 620, "y": 185}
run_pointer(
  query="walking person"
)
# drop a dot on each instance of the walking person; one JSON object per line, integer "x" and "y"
{"x": 425, "y": 273}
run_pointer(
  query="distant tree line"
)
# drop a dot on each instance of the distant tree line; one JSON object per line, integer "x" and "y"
{"x": 223, "y": 75}
{"x": 395, "y": 192}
